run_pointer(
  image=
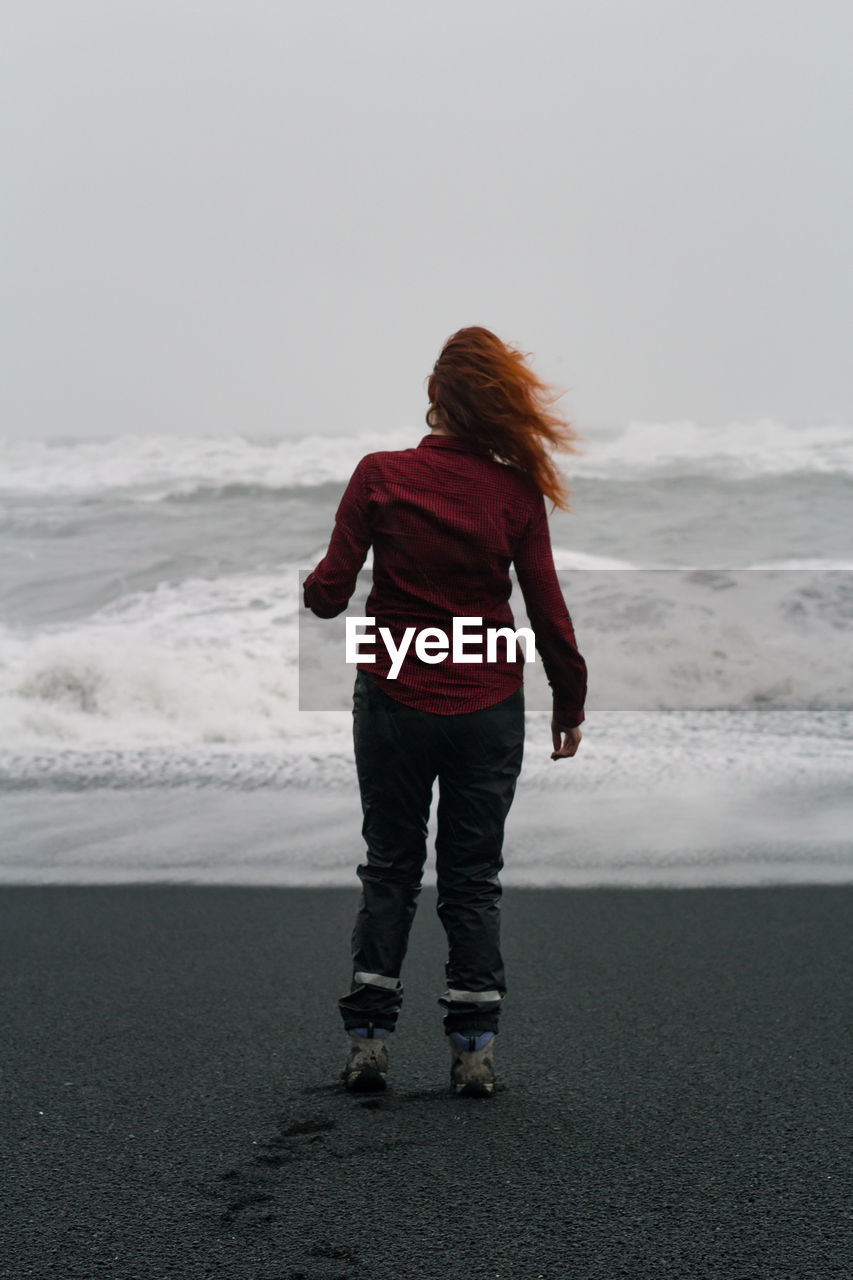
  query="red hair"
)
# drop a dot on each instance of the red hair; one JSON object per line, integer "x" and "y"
{"x": 483, "y": 391}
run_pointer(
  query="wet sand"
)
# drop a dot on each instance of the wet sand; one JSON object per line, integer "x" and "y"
{"x": 675, "y": 1090}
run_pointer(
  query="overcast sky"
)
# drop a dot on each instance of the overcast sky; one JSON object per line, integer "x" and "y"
{"x": 265, "y": 216}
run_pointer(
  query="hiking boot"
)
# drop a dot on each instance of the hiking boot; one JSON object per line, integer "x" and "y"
{"x": 366, "y": 1068}
{"x": 472, "y": 1071}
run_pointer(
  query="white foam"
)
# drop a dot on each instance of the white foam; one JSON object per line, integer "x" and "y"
{"x": 715, "y": 639}
{"x": 815, "y": 565}
{"x": 567, "y": 559}
{"x": 735, "y": 450}
{"x": 213, "y": 662}
{"x": 200, "y": 662}
{"x": 157, "y": 466}
{"x": 152, "y": 467}
{"x": 699, "y": 824}
{"x": 581, "y": 561}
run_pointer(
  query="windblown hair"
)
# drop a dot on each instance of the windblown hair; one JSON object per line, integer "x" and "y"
{"x": 482, "y": 391}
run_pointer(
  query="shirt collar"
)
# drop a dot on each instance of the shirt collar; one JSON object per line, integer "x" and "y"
{"x": 445, "y": 442}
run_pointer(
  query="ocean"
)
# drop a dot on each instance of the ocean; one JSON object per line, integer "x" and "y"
{"x": 155, "y": 726}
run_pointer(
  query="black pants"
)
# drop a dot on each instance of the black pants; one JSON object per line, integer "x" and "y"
{"x": 399, "y": 752}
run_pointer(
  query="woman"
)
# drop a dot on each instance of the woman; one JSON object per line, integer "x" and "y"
{"x": 445, "y": 520}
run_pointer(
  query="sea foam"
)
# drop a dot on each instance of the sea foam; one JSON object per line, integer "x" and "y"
{"x": 217, "y": 660}
{"x": 156, "y": 467}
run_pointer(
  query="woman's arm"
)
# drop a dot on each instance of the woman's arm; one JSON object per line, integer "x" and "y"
{"x": 552, "y": 626}
{"x": 327, "y": 590}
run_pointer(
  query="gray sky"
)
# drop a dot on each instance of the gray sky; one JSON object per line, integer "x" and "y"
{"x": 264, "y": 216}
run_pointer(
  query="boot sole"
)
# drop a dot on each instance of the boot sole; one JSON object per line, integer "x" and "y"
{"x": 367, "y": 1081}
{"x": 475, "y": 1090}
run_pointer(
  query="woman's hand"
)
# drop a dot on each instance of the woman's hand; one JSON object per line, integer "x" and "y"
{"x": 571, "y": 740}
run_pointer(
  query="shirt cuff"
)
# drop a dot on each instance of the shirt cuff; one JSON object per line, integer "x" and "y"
{"x": 567, "y": 715}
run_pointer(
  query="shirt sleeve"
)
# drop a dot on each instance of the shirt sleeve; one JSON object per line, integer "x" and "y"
{"x": 549, "y": 618}
{"x": 327, "y": 589}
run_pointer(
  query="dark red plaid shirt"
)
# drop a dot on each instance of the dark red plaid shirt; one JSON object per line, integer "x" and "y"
{"x": 445, "y": 524}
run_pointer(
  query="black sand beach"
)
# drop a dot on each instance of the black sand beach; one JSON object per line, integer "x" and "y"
{"x": 675, "y": 1101}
